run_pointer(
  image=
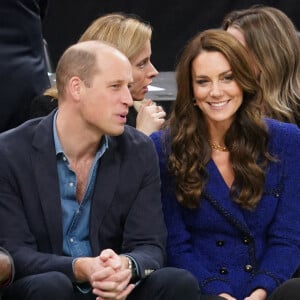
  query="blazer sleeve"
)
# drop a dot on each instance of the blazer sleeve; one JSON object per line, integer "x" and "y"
{"x": 145, "y": 231}
{"x": 282, "y": 256}
{"x": 15, "y": 233}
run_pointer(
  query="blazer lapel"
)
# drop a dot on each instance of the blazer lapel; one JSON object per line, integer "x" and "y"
{"x": 45, "y": 170}
{"x": 105, "y": 187}
{"x": 217, "y": 193}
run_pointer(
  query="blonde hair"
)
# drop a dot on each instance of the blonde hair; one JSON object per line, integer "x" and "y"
{"x": 125, "y": 32}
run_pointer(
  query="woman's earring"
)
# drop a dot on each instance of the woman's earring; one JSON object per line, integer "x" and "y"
{"x": 194, "y": 101}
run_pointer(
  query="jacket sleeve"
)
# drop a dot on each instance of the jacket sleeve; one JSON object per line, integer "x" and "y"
{"x": 15, "y": 233}
{"x": 145, "y": 231}
{"x": 282, "y": 256}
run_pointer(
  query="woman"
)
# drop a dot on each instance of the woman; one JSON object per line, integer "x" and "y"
{"x": 272, "y": 40}
{"x": 230, "y": 179}
{"x": 133, "y": 38}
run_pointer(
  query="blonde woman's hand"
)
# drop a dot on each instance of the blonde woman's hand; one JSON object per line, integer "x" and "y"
{"x": 150, "y": 117}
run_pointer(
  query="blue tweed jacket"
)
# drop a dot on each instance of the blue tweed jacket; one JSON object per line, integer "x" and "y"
{"x": 230, "y": 249}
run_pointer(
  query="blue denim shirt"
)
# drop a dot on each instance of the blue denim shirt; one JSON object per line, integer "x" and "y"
{"x": 75, "y": 216}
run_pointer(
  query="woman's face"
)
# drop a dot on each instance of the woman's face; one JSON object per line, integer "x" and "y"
{"x": 143, "y": 72}
{"x": 216, "y": 91}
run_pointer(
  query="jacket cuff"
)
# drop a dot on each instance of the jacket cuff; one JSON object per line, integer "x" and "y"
{"x": 263, "y": 281}
{"x": 215, "y": 286}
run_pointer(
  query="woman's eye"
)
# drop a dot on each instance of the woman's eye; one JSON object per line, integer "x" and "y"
{"x": 201, "y": 81}
{"x": 141, "y": 66}
{"x": 228, "y": 78}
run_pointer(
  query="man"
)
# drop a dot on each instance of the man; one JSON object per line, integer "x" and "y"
{"x": 80, "y": 193}
{"x": 6, "y": 269}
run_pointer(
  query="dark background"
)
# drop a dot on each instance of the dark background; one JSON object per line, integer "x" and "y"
{"x": 173, "y": 21}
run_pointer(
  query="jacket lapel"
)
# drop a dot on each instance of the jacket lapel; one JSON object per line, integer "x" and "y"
{"x": 105, "y": 187}
{"x": 45, "y": 170}
{"x": 217, "y": 193}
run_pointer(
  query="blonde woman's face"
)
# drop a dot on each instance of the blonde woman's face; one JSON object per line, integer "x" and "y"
{"x": 143, "y": 72}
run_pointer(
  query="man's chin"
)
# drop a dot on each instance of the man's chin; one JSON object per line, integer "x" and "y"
{"x": 117, "y": 132}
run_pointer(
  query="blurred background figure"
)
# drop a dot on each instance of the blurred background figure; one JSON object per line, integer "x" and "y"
{"x": 274, "y": 44}
{"x": 23, "y": 72}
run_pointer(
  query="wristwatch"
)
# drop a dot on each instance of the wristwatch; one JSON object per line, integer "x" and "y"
{"x": 134, "y": 271}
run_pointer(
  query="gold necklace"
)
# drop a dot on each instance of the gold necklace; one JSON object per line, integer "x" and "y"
{"x": 217, "y": 147}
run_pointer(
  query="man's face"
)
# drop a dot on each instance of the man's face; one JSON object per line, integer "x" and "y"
{"x": 105, "y": 101}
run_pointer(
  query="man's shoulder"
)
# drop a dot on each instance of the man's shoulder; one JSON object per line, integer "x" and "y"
{"x": 17, "y": 140}
{"x": 21, "y": 131}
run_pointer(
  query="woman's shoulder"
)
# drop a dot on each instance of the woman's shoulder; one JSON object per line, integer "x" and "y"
{"x": 282, "y": 135}
{"x": 279, "y": 128}
{"x": 158, "y": 138}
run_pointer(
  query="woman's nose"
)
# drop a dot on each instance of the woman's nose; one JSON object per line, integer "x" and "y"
{"x": 216, "y": 90}
{"x": 152, "y": 71}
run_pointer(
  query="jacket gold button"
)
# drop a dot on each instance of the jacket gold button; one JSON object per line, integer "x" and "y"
{"x": 223, "y": 271}
{"x": 248, "y": 268}
{"x": 220, "y": 243}
{"x": 246, "y": 241}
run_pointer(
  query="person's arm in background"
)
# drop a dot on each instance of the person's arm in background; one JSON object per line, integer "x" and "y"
{"x": 6, "y": 268}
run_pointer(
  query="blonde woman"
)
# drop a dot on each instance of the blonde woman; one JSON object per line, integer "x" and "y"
{"x": 132, "y": 37}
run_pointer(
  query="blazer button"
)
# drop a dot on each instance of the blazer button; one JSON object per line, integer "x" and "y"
{"x": 220, "y": 243}
{"x": 248, "y": 268}
{"x": 245, "y": 241}
{"x": 223, "y": 271}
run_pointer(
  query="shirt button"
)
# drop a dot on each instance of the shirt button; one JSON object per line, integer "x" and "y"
{"x": 64, "y": 158}
{"x": 223, "y": 271}
{"x": 71, "y": 240}
{"x": 71, "y": 184}
{"x": 220, "y": 243}
{"x": 248, "y": 268}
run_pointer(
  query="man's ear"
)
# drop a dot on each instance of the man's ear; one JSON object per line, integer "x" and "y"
{"x": 75, "y": 86}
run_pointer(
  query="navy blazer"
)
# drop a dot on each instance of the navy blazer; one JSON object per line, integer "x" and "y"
{"x": 230, "y": 249}
{"x": 126, "y": 213}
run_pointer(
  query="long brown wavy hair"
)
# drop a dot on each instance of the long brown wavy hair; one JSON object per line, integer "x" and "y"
{"x": 246, "y": 139}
